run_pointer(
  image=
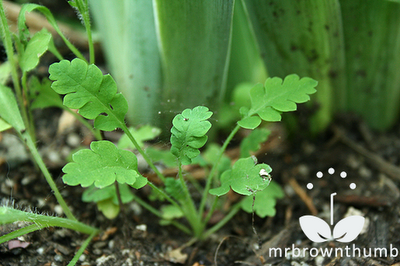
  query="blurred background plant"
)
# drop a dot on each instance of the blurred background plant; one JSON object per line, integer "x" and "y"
{"x": 167, "y": 57}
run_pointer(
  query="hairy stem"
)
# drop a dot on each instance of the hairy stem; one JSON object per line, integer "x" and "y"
{"x": 47, "y": 175}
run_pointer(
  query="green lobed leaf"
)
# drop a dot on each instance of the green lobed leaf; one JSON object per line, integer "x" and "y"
{"x": 250, "y": 122}
{"x": 36, "y": 47}
{"x": 170, "y": 212}
{"x": 141, "y": 134}
{"x": 265, "y": 201}
{"x": 9, "y": 110}
{"x": 89, "y": 91}
{"x": 189, "y": 133}
{"x": 174, "y": 188}
{"x": 275, "y": 97}
{"x": 246, "y": 177}
{"x": 107, "y": 199}
{"x": 102, "y": 165}
{"x": 252, "y": 142}
{"x": 94, "y": 194}
{"x": 42, "y": 94}
{"x": 108, "y": 208}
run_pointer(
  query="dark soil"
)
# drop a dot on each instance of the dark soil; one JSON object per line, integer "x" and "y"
{"x": 295, "y": 162}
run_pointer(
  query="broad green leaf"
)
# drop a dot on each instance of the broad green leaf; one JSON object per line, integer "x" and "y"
{"x": 9, "y": 110}
{"x": 89, "y": 91}
{"x": 372, "y": 61}
{"x": 276, "y": 96}
{"x": 36, "y": 47}
{"x": 194, "y": 40}
{"x": 141, "y": 134}
{"x": 265, "y": 200}
{"x": 128, "y": 34}
{"x": 246, "y": 63}
{"x": 252, "y": 142}
{"x": 102, "y": 165}
{"x": 42, "y": 94}
{"x": 306, "y": 38}
{"x": 189, "y": 133}
{"x": 246, "y": 177}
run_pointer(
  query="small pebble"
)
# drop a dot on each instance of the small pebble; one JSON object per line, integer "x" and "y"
{"x": 58, "y": 209}
{"x": 319, "y": 261}
{"x": 58, "y": 257}
{"x": 73, "y": 140}
{"x": 82, "y": 257}
{"x": 40, "y": 251}
{"x": 54, "y": 157}
{"x": 142, "y": 227}
{"x": 111, "y": 244}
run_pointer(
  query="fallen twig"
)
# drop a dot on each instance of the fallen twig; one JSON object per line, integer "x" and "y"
{"x": 378, "y": 162}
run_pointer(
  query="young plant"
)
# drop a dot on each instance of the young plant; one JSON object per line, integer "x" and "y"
{"x": 104, "y": 165}
{"x": 18, "y": 116}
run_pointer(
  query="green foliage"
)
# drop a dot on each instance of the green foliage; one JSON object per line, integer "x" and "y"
{"x": 107, "y": 198}
{"x": 170, "y": 212}
{"x": 245, "y": 178}
{"x": 265, "y": 201}
{"x": 35, "y": 48}
{"x": 163, "y": 156}
{"x": 141, "y": 135}
{"x": 174, "y": 188}
{"x": 103, "y": 165}
{"x": 189, "y": 133}
{"x": 43, "y": 95}
{"x": 9, "y": 110}
{"x": 275, "y": 97}
{"x": 89, "y": 91}
{"x": 252, "y": 142}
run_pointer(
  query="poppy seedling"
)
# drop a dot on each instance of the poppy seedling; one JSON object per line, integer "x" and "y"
{"x": 104, "y": 165}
